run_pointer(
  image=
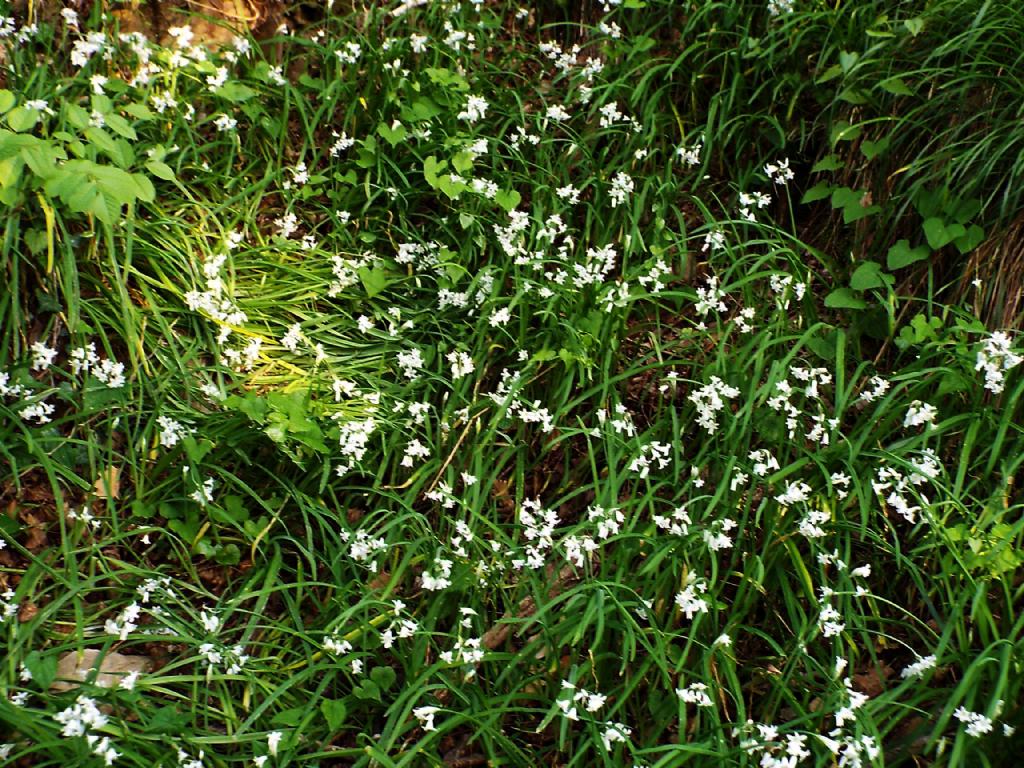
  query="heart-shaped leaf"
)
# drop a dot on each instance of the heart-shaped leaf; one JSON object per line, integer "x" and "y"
{"x": 367, "y": 691}
{"x": 896, "y": 86}
{"x": 872, "y": 149}
{"x": 844, "y": 298}
{"x": 940, "y": 234}
{"x": 819, "y": 191}
{"x": 507, "y": 199}
{"x": 334, "y": 712}
{"x": 827, "y": 163}
{"x": 869, "y": 275}
{"x": 902, "y": 255}
{"x": 383, "y": 676}
{"x": 971, "y": 240}
{"x": 373, "y": 280}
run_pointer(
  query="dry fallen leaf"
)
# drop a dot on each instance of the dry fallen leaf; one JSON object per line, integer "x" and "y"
{"x": 108, "y": 484}
{"x": 78, "y": 665}
{"x": 27, "y": 612}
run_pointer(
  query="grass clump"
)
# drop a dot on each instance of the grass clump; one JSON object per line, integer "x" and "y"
{"x": 448, "y": 384}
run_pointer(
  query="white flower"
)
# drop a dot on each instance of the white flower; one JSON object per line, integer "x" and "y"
{"x": 795, "y": 493}
{"x": 273, "y": 740}
{"x": 476, "y": 107}
{"x": 42, "y": 356}
{"x": 995, "y": 358}
{"x": 225, "y": 123}
{"x": 695, "y": 693}
{"x": 622, "y": 187}
{"x": 977, "y": 724}
{"x": 878, "y": 387}
{"x": 920, "y": 413}
{"x": 614, "y": 732}
{"x": 290, "y": 340}
{"x": 557, "y": 113}
{"x": 710, "y": 400}
{"x": 128, "y": 681}
{"x": 919, "y": 667}
{"x": 691, "y": 155}
{"x": 349, "y": 53}
{"x": 210, "y": 621}
{"x": 426, "y": 717}
{"x": 171, "y": 431}
{"x": 779, "y": 172}
{"x": 500, "y": 317}
{"x": 462, "y": 364}
{"x": 689, "y": 600}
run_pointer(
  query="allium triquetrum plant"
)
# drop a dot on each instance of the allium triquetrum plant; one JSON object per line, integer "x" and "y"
{"x": 466, "y": 383}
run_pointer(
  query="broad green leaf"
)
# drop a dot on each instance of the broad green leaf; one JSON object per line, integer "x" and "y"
{"x": 77, "y": 116}
{"x": 235, "y": 92}
{"x": 827, "y": 163}
{"x": 844, "y": 196}
{"x": 334, "y": 712}
{"x": 844, "y": 298}
{"x": 374, "y": 280}
{"x": 830, "y": 74}
{"x": 43, "y": 668}
{"x": 940, "y": 234}
{"x": 852, "y": 202}
{"x": 896, "y": 86}
{"x": 101, "y": 103}
{"x": 146, "y": 192}
{"x": 101, "y": 140}
{"x": 819, "y": 191}
{"x": 966, "y": 210}
{"x": 227, "y": 554}
{"x": 902, "y": 255}
{"x": 930, "y": 202}
{"x": 446, "y": 78}
{"x": 463, "y": 162}
{"x": 970, "y": 240}
{"x": 872, "y": 149}
{"x": 42, "y": 159}
{"x": 383, "y": 676}
{"x": 168, "y": 720}
{"x": 393, "y": 134}
{"x": 120, "y": 126}
{"x": 7, "y": 100}
{"x": 290, "y": 718}
{"x": 367, "y": 690}
{"x": 420, "y": 110}
{"x": 160, "y": 170}
{"x": 843, "y": 131}
{"x": 847, "y": 60}
{"x": 507, "y": 199}
{"x": 852, "y": 213}
{"x": 432, "y": 169}
{"x": 22, "y": 119}
{"x": 10, "y": 173}
{"x": 869, "y": 275}
{"x": 451, "y": 188}
{"x": 138, "y": 110}
{"x": 853, "y": 96}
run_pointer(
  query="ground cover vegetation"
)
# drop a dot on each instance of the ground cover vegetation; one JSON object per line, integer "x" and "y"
{"x": 626, "y": 383}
